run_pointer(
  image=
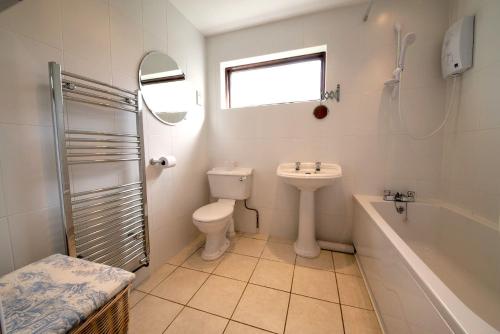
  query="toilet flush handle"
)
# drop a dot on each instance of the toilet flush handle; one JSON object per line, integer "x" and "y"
{"x": 243, "y": 178}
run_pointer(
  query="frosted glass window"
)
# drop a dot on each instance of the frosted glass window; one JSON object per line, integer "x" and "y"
{"x": 287, "y": 80}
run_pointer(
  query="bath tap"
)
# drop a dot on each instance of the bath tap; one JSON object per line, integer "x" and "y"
{"x": 317, "y": 166}
{"x": 297, "y": 166}
{"x": 399, "y": 197}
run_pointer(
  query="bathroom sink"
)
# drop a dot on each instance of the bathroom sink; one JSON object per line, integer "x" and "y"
{"x": 307, "y": 178}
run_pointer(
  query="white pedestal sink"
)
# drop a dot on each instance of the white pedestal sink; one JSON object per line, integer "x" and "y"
{"x": 308, "y": 180}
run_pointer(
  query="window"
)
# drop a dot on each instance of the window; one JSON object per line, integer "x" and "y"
{"x": 283, "y": 80}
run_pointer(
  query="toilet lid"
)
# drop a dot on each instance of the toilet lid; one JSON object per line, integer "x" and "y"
{"x": 213, "y": 212}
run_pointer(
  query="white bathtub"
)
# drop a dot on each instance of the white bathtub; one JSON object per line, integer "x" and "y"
{"x": 438, "y": 272}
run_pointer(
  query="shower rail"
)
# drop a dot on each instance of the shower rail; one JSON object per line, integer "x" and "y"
{"x": 107, "y": 225}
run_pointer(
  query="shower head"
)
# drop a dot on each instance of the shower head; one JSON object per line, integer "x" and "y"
{"x": 408, "y": 40}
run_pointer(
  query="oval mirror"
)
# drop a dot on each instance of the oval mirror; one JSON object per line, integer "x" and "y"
{"x": 164, "y": 88}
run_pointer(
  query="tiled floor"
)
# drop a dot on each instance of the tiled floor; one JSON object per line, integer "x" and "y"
{"x": 258, "y": 286}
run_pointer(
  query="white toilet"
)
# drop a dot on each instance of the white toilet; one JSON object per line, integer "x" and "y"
{"x": 216, "y": 219}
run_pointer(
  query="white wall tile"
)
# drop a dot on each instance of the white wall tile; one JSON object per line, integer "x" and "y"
{"x": 6, "y": 262}
{"x": 28, "y": 167}
{"x": 24, "y": 83}
{"x": 41, "y": 21}
{"x": 470, "y": 165}
{"x": 88, "y": 41}
{"x": 105, "y": 40}
{"x": 358, "y": 132}
{"x": 35, "y": 235}
{"x": 3, "y": 208}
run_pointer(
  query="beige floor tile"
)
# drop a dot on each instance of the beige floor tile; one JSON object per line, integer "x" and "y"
{"x": 315, "y": 283}
{"x": 187, "y": 251}
{"x": 279, "y": 252}
{"x": 281, "y": 240}
{"x": 181, "y": 285}
{"x": 345, "y": 264}
{"x": 260, "y": 236}
{"x": 152, "y": 315}
{"x": 237, "y": 328}
{"x": 247, "y": 246}
{"x": 358, "y": 321}
{"x": 134, "y": 297}
{"x": 236, "y": 266}
{"x": 323, "y": 261}
{"x": 263, "y": 307}
{"x": 218, "y": 295}
{"x": 273, "y": 274}
{"x": 353, "y": 291}
{"x": 192, "y": 321}
{"x": 307, "y": 315}
{"x": 197, "y": 263}
{"x": 155, "y": 278}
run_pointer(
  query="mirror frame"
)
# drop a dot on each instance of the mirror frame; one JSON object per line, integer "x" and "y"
{"x": 143, "y": 96}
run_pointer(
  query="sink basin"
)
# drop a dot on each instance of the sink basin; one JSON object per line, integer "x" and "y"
{"x": 308, "y": 180}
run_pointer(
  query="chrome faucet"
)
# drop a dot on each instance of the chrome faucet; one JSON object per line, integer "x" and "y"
{"x": 297, "y": 166}
{"x": 399, "y": 197}
{"x": 317, "y": 166}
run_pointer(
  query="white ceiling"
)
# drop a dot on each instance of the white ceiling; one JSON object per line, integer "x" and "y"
{"x": 217, "y": 16}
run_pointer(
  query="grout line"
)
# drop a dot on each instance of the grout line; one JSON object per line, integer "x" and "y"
{"x": 247, "y": 283}
{"x": 188, "y": 300}
{"x": 290, "y": 294}
{"x": 253, "y": 326}
{"x": 340, "y": 302}
{"x": 242, "y": 294}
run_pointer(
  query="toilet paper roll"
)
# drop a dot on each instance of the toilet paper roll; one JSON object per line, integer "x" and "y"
{"x": 167, "y": 162}
{"x": 171, "y": 161}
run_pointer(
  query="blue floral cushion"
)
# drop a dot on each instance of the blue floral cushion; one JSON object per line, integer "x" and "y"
{"x": 57, "y": 293}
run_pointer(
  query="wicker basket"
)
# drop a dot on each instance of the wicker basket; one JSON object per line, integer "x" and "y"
{"x": 112, "y": 318}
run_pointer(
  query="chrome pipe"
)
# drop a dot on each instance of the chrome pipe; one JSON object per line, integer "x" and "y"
{"x": 83, "y": 132}
{"x": 99, "y": 140}
{"x": 109, "y": 223}
{"x": 107, "y": 147}
{"x": 95, "y": 205}
{"x": 368, "y": 10}
{"x": 108, "y": 227}
{"x": 88, "y": 199}
{"x": 99, "y": 190}
{"x": 81, "y": 77}
{"x": 85, "y": 245}
{"x": 115, "y": 252}
{"x": 95, "y": 154}
{"x": 101, "y": 104}
{"x": 96, "y": 249}
{"x": 111, "y": 214}
{"x": 131, "y": 256}
{"x": 90, "y": 213}
{"x": 79, "y": 162}
{"x": 97, "y": 89}
{"x": 99, "y": 97}
{"x": 110, "y": 232}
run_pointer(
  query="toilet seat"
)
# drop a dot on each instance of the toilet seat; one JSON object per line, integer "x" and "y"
{"x": 213, "y": 212}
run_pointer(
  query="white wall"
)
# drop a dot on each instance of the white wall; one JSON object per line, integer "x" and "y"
{"x": 105, "y": 40}
{"x": 361, "y": 133}
{"x": 471, "y": 163}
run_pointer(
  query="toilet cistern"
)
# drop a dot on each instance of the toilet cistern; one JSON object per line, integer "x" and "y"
{"x": 308, "y": 178}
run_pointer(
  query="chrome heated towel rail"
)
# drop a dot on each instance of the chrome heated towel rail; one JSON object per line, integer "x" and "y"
{"x": 110, "y": 224}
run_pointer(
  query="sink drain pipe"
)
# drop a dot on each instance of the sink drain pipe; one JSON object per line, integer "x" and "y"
{"x": 256, "y": 214}
{"x": 336, "y": 246}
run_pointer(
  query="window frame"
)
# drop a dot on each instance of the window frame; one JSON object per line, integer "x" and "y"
{"x": 272, "y": 63}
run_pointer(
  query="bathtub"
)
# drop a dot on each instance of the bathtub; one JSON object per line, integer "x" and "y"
{"x": 438, "y": 272}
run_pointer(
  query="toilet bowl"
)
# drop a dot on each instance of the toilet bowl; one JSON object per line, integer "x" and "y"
{"x": 215, "y": 220}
